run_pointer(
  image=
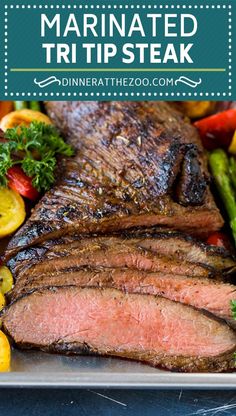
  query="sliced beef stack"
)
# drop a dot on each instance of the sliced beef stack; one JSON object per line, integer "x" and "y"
{"x": 103, "y": 266}
{"x": 132, "y": 264}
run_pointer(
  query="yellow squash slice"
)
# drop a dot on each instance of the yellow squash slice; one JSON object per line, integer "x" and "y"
{"x": 232, "y": 147}
{"x": 6, "y": 280}
{"x": 19, "y": 117}
{"x": 12, "y": 211}
{"x": 5, "y": 353}
{"x": 2, "y": 301}
{"x": 197, "y": 109}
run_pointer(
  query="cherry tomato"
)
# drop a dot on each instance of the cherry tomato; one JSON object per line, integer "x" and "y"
{"x": 218, "y": 239}
{"x": 5, "y": 108}
{"x": 217, "y": 130}
{"x": 21, "y": 183}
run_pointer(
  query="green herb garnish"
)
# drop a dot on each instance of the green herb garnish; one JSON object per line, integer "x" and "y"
{"x": 233, "y": 308}
{"x": 34, "y": 148}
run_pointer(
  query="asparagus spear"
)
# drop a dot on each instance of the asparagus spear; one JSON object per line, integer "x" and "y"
{"x": 233, "y": 308}
{"x": 219, "y": 165}
{"x": 34, "y": 105}
{"x": 20, "y": 105}
{"x": 232, "y": 171}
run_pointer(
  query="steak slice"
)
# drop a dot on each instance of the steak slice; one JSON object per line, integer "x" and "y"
{"x": 206, "y": 294}
{"x": 125, "y": 174}
{"x": 184, "y": 247}
{"x": 113, "y": 252}
{"x": 108, "y": 322}
{"x": 164, "y": 252}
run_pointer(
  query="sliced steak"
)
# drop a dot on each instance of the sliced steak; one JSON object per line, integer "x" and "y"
{"x": 108, "y": 322}
{"x": 184, "y": 247}
{"x": 108, "y": 252}
{"x": 206, "y": 294}
{"x": 165, "y": 252}
{"x": 124, "y": 174}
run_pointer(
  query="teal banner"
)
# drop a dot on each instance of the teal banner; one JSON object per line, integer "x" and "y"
{"x": 123, "y": 50}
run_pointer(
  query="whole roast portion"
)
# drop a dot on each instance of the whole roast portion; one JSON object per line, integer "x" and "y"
{"x": 109, "y": 263}
{"x": 137, "y": 164}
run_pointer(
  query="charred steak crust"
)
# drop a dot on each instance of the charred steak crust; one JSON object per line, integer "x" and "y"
{"x": 125, "y": 174}
{"x": 223, "y": 363}
{"x": 192, "y": 183}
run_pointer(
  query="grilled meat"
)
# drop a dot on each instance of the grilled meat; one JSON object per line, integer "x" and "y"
{"x": 205, "y": 294}
{"x": 109, "y": 322}
{"x": 109, "y": 252}
{"x": 144, "y": 293}
{"x": 192, "y": 185}
{"x": 129, "y": 263}
{"x": 184, "y": 247}
{"x": 167, "y": 252}
{"x": 129, "y": 159}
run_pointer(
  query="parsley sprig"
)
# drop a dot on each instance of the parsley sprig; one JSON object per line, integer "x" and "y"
{"x": 233, "y": 308}
{"x": 35, "y": 149}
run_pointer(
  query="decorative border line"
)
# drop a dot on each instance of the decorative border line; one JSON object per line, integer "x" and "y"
{"x": 230, "y": 52}
{"x": 6, "y": 52}
{"x": 121, "y": 6}
{"x": 117, "y": 6}
{"x": 120, "y": 94}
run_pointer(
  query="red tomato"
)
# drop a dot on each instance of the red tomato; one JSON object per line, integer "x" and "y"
{"x": 21, "y": 183}
{"x": 5, "y": 108}
{"x": 217, "y": 130}
{"x": 219, "y": 240}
